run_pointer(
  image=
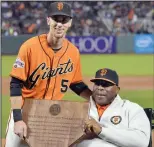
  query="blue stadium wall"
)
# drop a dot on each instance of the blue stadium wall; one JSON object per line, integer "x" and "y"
{"x": 92, "y": 45}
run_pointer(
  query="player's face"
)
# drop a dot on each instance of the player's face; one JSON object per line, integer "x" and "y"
{"x": 104, "y": 92}
{"x": 59, "y": 25}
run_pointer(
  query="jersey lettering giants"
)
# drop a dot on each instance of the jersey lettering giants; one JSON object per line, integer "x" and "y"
{"x": 61, "y": 69}
{"x": 47, "y": 74}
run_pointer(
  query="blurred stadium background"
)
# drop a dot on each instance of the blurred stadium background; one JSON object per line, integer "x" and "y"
{"x": 90, "y": 18}
{"x": 118, "y": 35}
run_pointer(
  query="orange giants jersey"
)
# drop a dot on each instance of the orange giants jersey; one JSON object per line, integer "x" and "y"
{"x": 46, "y": 74}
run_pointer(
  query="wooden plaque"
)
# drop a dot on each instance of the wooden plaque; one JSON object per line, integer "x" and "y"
{"x": 54, "y": 123}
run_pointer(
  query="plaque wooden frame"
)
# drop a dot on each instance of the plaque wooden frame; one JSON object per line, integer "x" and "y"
{"x": 54, "y": 123}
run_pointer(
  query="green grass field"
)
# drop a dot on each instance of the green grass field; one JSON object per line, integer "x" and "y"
{"x": 124, "y": 65}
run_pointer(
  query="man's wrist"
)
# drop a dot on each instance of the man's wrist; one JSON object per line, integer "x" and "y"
{"x": 100, "y": 130}
{"x": 17, "y": 115}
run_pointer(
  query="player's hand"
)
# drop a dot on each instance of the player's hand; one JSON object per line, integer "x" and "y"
{"x": 92, "y": 126}
{"x": 20, "y": 128}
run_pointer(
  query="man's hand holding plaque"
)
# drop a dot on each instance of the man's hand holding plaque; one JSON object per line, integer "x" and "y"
{"x": 20, "y": 128}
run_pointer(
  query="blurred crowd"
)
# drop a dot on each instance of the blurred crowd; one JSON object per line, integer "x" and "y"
{"x": 89, "y": 18}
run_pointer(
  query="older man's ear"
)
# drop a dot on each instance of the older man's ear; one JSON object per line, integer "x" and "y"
{"x": 70, "y": 23}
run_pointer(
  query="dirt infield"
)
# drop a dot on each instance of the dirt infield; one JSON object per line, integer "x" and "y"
{"x": 126, "y": 83}
{"x": 132, "y": 82}
{"x": 3, "y": 141}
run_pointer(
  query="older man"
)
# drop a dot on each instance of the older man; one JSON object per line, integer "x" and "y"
{"x": 114, "y": 122}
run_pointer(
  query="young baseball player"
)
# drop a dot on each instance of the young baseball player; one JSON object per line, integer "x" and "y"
{"x": 46, "y": 66}
{"x": 113, "y": 121}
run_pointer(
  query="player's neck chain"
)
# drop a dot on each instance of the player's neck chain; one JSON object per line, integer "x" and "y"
{"x": 43, "y": 72}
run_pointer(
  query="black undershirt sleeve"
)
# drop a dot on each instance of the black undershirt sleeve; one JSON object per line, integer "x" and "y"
{"x": 15, "y": 90}
{"x": 15, "y": 87}
{"x": 78, "y": 88}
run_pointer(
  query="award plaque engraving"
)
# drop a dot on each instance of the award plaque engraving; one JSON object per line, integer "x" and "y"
{"x": 55, "y": 109}
{"x": 54, "y": 123}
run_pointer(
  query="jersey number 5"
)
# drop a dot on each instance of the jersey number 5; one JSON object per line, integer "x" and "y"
{"x": 64, "y": 85}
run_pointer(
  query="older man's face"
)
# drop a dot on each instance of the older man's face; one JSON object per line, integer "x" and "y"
{"x": 104, "y": 92}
